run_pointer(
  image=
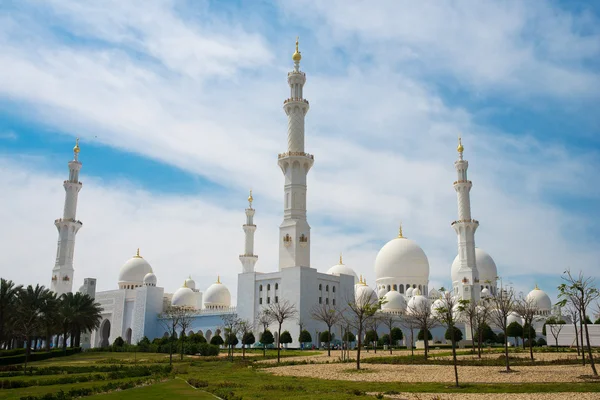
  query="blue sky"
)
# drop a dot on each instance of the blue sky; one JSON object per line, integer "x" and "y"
{"x": 178, "y": 107}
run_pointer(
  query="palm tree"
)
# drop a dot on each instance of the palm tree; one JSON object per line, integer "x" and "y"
{"x": 66, "y": 311}
{"x": 8, "y": 297}
{"x": 29, "y": 308}
{"x": 49, "y": 317}
{"x": 78, "y": 313}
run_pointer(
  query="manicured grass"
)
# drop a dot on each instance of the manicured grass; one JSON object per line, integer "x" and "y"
{"x": 174, "y": 388}
{"x": 248, "y": 380}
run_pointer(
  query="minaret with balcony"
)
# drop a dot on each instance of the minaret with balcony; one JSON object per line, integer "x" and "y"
{"x": 467, "y": 287}
{"x": 248, "y": 259}
{"x": 294, "y": 238}
{"x": 68, "y": 226}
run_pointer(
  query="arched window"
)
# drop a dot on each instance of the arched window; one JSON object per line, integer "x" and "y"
{"x": 327, "y": 300}
{"x": 395, "y": 287}
{"x": 260, "y": 288}
{"x": 320, "y": 287}
{"x": 420, "y": 287}
{"x": 334, "y": 302}
{"x": 402, "y": 288}
{"x": 276, "y": 286}
{"x": 333, "y": 289}
{"x": 327, "y": 288}
{"x": 389, "y": 288}
{"x": 269, "y": 286}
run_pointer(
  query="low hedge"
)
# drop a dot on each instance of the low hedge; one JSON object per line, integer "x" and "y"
{"x": 13, "y": 352}
{"x": 38, "y": 356}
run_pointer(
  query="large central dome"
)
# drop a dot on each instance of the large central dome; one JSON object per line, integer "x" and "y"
{"x": 403, "y": 260}
{"x": 133, "y": 272}
{"x": 486, "y": 267}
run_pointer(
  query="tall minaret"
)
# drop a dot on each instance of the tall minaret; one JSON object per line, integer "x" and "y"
{"x": 468, "y": 285}
{"x": 68, "y": 226}
{"x": 294, "y": 238}
{"x": 249, "y": 259}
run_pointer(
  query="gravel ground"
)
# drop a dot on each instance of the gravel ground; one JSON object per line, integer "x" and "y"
{"x": 434, "y": 373}
{"x": 495, "y": 396}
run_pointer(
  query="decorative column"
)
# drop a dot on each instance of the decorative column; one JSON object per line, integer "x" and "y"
{"x": 468, "y": 287}
{"x": 294, "y": 238}
{"x": 67, "y": 226}
{"x": 248, "y": 259}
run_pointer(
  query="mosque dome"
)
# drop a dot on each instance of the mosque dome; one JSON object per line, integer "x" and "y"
{"x": 381, "y": 292}
{"x": 189, "y": 282}
{"x": 417, "y": 302}
{"x": 439, "y": 303}
{"x": 486, "y": 267}
{"x": 150, "y": 279}
{"x": 514, "y": 317}
{"x": 409, "y": 292}
{"x": 134, "y": 271}
{"x": 364, "y": 293}
{"x": 540, "y": 299}
{"x": 217, "y": 296}
{"x": 342, "y": 269}
{"x": 184, "y": 297}
{"x": 402, "y": 260}
{"x": 485, "y": 292}
{"x": 394, "y": 301}
{"x": 434, "y": 294}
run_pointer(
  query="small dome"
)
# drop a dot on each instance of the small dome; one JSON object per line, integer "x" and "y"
{"x": 184, "y": 297}
{"x": 540, "y": 299}
{"x": 342, "y": 269}
{"x": 403, "y": 260}
{"x": 189, "y": 282}
{"x": 217, "y": 296}
{"x": 486, "y": 268}
{"x": 434, "y": 294}
{"x": 439, "y": 303}
{"x": 409, "y": 291}
{"x": 514, "y": 317}
{"x": 150, "y": 279}
{"x": 394, "y": 301}
{"x": 381, "y": 292}
{"x": 416, "y": 302}
{"x": 364, "y": 294}
{"x": 485, "y": 292}
{"x": 134, "y": 271}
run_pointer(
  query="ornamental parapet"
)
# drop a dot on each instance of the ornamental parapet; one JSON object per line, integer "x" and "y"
{"x": 68, "y": 181}
{"x": 463, "y": 181}
{"x": 298, "y": 99}
{"x": 249, "y": 255}
{"x": 296, "y": 73}
{"x": 60, "y": 220}
{"x": 295, "y": 154}
{"x": 474, "y": 221}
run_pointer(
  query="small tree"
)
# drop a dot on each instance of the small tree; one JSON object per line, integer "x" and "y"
{"x": 266, "y": 338}
{"x": 286, "y": 338}
{"x": 446, "y": 314}
{"x": 329, "y": 315}
{"x": 325, "y": 337}
{"x": 185, "y": 317}
{"x": 281, "y": 312}
{"x": 527, "y": 308}
{"x": 119, "y": 342}
{"x": 469, "y": 310}
{"x": 482, "y": 321}
{"x": 421, "y": 313}
{"x": 556, "y": 325}
{"x": 169, "y": 320}
{"x": 264, "y": 318}
{"x": 581, "y": 292}
{"x": 503, "y": 302}
{"x": 361, "y": 309}
{"x": 389, "y": 320}
{"x": 349, "y": 337}
{"x": 372, "y": 337}
{"x": 245, "y": 330}
{"x": 217, "y": 340}
{"x": 231, "y": 325}
{"x": 515, "y": 330}
{"x": 304, "y": 337}
{"x": 397, "y": 335}
{"x": 573, "y": 314}
{"x": 421, "y": 335}
{"x": 529, "y": 334}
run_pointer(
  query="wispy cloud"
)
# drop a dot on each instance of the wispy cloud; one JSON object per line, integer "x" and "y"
{"x": 8, "y": 135}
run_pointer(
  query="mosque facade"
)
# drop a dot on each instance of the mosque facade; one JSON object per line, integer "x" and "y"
{"x": 132, "y": 310}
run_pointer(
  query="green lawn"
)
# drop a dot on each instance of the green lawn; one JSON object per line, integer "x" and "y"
{"x": 249, "y": 380}
{"x": 164, "y": 390}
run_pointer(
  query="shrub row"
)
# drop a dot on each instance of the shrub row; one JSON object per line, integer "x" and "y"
{"x": 135, "y": 372}
{"x": 81, "y": 392}
{"x": 38, "y": 356}
{"x": 72, "y": 369}
{"x": 13, "y": 352}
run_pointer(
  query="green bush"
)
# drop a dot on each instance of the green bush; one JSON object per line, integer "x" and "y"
{"x": 38, "y": 356}
{"x": 13, "y": 352}
{"x": 421, "y": 335}
{"x": 205, "y": 349}
{"x": 541, "y": 342}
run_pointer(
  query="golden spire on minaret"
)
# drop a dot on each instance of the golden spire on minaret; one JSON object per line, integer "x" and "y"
{"x": 137, "y": 254}
{"x": 250, "y": 198}
{"x": 460, "y": 147}
{"x": 297, "y": 56}
{"x": 76, "y": 149}
{"x": 400, "y": 236}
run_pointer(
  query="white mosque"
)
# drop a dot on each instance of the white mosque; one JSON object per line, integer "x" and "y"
{"x": 132, "y": 309}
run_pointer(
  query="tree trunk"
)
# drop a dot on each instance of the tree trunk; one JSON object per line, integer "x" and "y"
{"x": 479, "y": 344}
{"x": 530, "y": 344}
{"x": 581, "y": 336}
{"x": 48, "y": 339}
{"x": 576, "y": 338}
{"x": 506, "y": 351}
{"x": 243, "y": 351}
{"x": 278, "y": 344}
{"x": 390, "y": 341}
{"x": 182, "y": 345}
{"x": 329, "y": 342}
{"x": 359, "y": 341}
{"x": 65, "y": 333}
{"x": 472, "y": 337}
{"x": 426, "y": 337}
{"x": 454, "y": 356}
{"x": 26, "y": 354}
{"x": 589, "y": 347}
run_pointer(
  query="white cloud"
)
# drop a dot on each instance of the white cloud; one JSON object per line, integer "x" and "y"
{"x": 190, "y": 93}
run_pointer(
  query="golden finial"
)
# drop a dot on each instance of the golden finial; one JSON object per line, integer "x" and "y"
{"x": 297, "y": 56}
{"x": 536, "y": 287}
{"x": 76, "y": 148}
{"x": 137, "y": 254}
{"x": 341, "y": 263}
{"x": 218, "y": 279}
{"x": 185, "y": 283}
{"x": 250, "y": 198}
{"x": 460, "y": 147}
{"x": 400, "y": 232}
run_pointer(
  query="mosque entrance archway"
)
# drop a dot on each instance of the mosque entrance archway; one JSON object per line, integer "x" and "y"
{"x": 105, "y": 333}
{"x": 128, "y": 336}
{"x": 208, "y": 335}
